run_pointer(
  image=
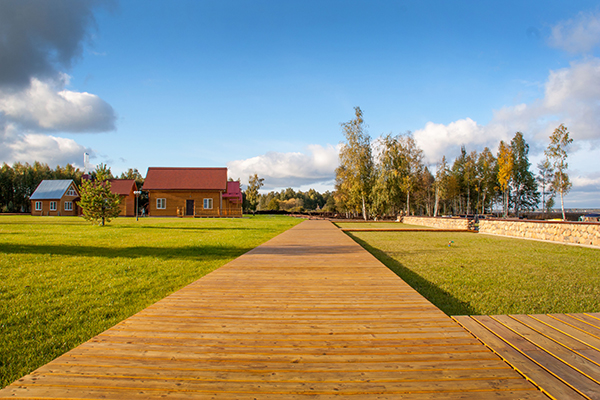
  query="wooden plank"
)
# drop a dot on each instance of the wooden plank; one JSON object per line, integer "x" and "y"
{"x": 573, "y": 378}
{"x": 547, "y": 382}
{"x": 556, "y": 349}
{"x": 119, "y": 394}
{"x": 554, "y": 332}
{"x": 591, "y": 323}
{"x": 570, "y": 329}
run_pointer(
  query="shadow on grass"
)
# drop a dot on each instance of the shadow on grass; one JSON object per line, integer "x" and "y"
{"x": 440, "y": 298}
{"x": 196, "y": 228}
{"x": 184, "y": 252}
{"x": 294, "y": 250}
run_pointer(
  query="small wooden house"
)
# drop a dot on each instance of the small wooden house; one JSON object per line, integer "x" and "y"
{"x": 55, "y": 197}
{"x": 125, "y": 188}
{"x": 191, "y": 192}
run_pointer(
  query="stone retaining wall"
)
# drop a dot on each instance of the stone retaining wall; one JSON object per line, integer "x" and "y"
{"x": 587, "y": 233}
{"x": 439, "y": 222}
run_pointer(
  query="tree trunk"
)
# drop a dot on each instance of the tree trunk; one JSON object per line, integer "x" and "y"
{"x": 468, "y": 200}
{"x": 364, "y": 208}
{"x": 483, "y": 204}
{"x": 407, "y": 203}
{"x": 562, "y": 205}
{"x": 437, "y": 201}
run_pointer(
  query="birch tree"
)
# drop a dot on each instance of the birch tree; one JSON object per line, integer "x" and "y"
{"x": 557, "y": 155}
{"x": 356, "y": 171}
{"x": 523, "y": 180}
{"x": 252, "y": 195}
{"x": 544, "y": 179}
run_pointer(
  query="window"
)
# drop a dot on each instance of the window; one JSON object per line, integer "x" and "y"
{"x": 71, "y": 192}
{"x": 38, "y": 206}
{"x": 52, "y": 206}
{"x": 208, "y": 204}
{"x": 68, "y": 206}
{"x": 161, "y": 204}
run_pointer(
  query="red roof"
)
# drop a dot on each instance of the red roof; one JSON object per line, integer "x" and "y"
{"x": 122, "y": 186}
{"x": 233, "y": 191}
{"x": 186, "y": 178}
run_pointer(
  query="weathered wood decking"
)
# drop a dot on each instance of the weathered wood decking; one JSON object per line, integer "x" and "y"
{"x": 309, "y": 314}
{"x": 559, "y": 352}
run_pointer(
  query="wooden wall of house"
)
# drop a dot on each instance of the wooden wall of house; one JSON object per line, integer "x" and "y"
{"x": 60, "y": 208}
{"x": 127, "y": 205}
{"x": 176, "y": 202}
{"x": 231, "y": 209}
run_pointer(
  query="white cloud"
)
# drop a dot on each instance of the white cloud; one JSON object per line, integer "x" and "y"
{"x": 578, "y": 35}
{"x": 438, "y": 140}
{"x": 31, "y": 147}
{"x": 289, "y": 169}
{"x": 48, "y": 106}
{"x": 571, "y": 96}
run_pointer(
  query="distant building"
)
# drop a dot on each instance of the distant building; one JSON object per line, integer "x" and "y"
{"x": 192, "y": 192}
{"x": 125, "y": 188}
{"x": 55, "y": 197}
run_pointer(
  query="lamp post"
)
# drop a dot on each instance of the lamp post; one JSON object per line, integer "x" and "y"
{"x": 137, "y": 195}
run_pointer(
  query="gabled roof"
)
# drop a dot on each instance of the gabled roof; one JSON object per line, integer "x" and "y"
{"x": 186, "y": 179}
{"x": 52, "y": 189}
{"x": 122, "y": 186}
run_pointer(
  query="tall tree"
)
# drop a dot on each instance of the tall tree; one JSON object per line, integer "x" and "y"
{"x": 391, "y": 168}
{"x": 525, "y": 194}
{"x": 252, "y": 195}
{"x": 356, "y": 171}
{"x": 441, "y": 184}
{"x": 505, "y": 168}
{"x": 557, "y": 155}
{"x": 462, "y": 172}
{"x": 544, "y": 179}
{"x": 486, "y": 170}
{"x": 414, "y": 166}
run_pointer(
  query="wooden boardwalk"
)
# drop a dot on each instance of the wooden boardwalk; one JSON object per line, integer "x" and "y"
{"x": 309, "y": 314}
{"x": 559, "y": 352}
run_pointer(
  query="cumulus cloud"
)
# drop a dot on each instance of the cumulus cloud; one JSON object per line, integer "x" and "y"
{"x": 45, "y": 106}
{"x": 571, "y": 96}
{"x": 41, "y": 38}
{"x": 38, "y": 39}
{"x": 31, "y": 147}
{"x": 577, "y": 35}
{"x": 289, "y": 169}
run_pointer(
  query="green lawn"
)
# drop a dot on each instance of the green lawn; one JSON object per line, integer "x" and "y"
{"x": 62, "y": 280}
{"x": 379, "y": 225}
{"x": 482, "y": 274}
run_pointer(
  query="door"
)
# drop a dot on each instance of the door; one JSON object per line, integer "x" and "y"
{"x": 189, "y": 207}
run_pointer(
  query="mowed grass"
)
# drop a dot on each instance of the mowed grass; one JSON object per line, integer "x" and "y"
{"x": 62, "y": 280}
{"x": 379, "y": 225}
{"x": 483, "y": 274}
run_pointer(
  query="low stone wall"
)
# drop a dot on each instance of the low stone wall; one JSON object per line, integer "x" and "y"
{"x": 439, "y": 222}
{"x": 587, "y": 233}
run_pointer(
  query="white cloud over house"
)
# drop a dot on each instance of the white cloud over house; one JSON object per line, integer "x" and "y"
{"x": 39, "y": 40}
{"x": 48, "y": 106}
{"x": 294, "y": 169}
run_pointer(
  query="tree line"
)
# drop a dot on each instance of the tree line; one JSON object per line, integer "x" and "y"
{"x": 286, "y": 200}
{"x": 389, "y": 176}
{"x": 19, "y": 181}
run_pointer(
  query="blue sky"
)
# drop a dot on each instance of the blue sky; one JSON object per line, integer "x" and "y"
{"x": 263, "y": 86}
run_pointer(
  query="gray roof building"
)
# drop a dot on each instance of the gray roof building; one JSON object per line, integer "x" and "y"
{"x": 52, "y": 189}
